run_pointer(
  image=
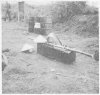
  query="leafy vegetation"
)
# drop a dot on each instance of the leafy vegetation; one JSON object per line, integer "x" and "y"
{"x": 76, "y": 15}
{"x": 64, "y": 11}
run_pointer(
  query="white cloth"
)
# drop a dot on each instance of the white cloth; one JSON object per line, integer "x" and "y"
{"x": 40, "y": 39}
{"x": 26, "y": 47}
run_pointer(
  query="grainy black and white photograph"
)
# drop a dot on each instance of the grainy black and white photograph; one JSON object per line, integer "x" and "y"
{"x": 50, "y": 47}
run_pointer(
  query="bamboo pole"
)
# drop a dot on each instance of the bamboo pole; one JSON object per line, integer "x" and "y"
{"x": 72, "y": 49}
{"x": 68, "y": 48}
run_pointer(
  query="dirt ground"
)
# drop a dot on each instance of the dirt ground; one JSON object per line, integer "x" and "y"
{"x": 35, "y": 74}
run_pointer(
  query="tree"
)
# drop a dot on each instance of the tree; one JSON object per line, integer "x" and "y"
{"x": 7, "y": 10}
{"x": 63, "y": 11}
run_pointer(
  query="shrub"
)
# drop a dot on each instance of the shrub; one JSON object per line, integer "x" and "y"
{"x": 63, "y": 11}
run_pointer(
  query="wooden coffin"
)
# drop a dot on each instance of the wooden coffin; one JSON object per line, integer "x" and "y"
{"x": 55, "y": 53}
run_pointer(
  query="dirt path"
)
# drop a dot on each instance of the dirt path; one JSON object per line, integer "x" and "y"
{"x": 33, "y": 73}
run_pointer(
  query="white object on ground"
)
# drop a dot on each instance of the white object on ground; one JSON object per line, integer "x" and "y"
{"x": 40, "y": 39}
{"x": 27, "y": 47}
{"x": 31, "y": 50}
